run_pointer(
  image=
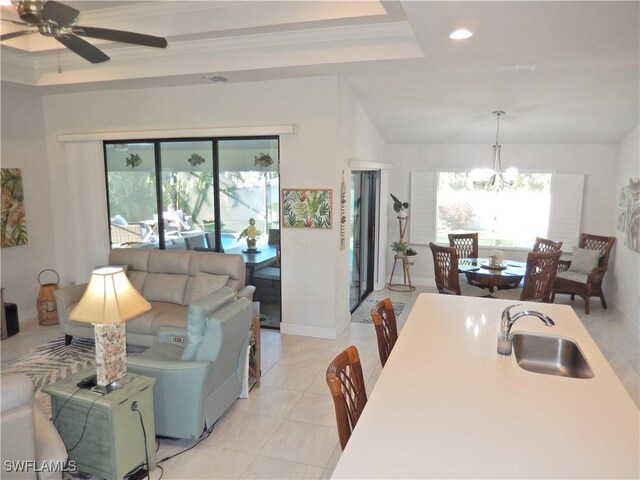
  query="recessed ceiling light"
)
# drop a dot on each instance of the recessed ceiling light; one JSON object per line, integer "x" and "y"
{"x": 460, "y": 34}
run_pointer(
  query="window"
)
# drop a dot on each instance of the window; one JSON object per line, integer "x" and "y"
{"x": 170, "y": 194}
{"x": 511, "y": 216}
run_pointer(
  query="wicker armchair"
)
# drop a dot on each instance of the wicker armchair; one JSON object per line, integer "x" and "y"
{"x": 384, "y": 319}
{"x": 126, "y": 233}
{"x": 585, "y": 285}
{"x": 538, "y": 280}
{"x": 346, "y": 383}
{"x": 545, "y": 245}
{"x": 445, "y": 266}
{"x": 466, "y": 244}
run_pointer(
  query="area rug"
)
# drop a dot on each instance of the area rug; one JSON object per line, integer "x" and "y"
{"x": 53, "y": 361}
{"x": 362, "y": 314}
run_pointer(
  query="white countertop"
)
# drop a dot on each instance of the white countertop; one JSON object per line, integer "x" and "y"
{"x": 446, "y": 405}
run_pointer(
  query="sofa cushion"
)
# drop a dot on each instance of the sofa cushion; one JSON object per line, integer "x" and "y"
{"x": 137, "y": 279}
{"x": 584, "y": 260}
{"x": 165, "y": 287}
{"x": 161, "y": 313}
{"x": 134, "y": 258}
{"x": 164, "y": 261}
{"x": 206, "y": 283}
{"x": 220, "y": 264}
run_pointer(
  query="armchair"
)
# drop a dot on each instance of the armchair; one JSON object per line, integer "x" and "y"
{"x": 198, "y": 370}
{"x": 584, "y": 280}
{"x": 27, "y": 435}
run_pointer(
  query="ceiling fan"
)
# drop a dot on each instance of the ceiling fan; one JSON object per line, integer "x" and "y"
{"x": 54, "y": 19}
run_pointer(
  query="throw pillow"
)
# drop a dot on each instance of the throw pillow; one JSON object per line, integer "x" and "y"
{"x": 206, "y": 283}
{"x": 584, "y": 260}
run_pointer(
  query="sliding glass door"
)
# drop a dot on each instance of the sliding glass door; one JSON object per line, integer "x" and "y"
{"x": 364, "y": 198}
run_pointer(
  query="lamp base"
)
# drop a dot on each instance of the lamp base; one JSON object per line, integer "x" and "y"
{"x": 91, "y": 383}
{"x": 111, "y": 353}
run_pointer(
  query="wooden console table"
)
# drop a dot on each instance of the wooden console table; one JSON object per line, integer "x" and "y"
{"x": 255, "y": 369}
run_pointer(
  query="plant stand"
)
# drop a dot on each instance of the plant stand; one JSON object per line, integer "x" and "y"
{"x": 406, "y": 285}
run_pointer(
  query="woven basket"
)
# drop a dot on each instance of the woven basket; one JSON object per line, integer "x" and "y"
{"x": 47, "y": 310}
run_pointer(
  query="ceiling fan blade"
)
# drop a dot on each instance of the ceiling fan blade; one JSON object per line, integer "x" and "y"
{"x": 59, "y": 14}
{"x": 9, "y": 36}
{"x": 82, "y": 48}
{"x": 15, "y": 22}
{"x": 120, "y": 36}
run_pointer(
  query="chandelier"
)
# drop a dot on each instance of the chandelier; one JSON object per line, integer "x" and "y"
{"x": 488, "y": 178}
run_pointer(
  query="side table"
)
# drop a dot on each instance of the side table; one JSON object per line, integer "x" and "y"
{"x": 255, "y": 369}
{"x": 103, "y": 433}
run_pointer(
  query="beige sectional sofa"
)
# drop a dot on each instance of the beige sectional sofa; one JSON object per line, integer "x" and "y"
{"x": 170, "y": 280}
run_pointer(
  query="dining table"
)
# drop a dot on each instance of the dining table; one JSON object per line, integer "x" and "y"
{"x": 447, "y": 405}
{"x": 264, "y": 256}
{"x": 480, "y": 272}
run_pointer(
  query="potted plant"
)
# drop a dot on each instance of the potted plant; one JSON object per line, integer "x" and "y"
{"x": 251, "y": 233}
{"x": 410, "y": 255}
{"x": 399, "y": 207}
{"x": 399, "y": 247}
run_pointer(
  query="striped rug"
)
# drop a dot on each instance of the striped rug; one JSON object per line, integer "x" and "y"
{"x": 53, "y": 361}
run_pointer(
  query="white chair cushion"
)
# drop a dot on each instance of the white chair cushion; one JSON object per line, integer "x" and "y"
{"x": 573, "y": 276}
{"x": 584, "y": 260}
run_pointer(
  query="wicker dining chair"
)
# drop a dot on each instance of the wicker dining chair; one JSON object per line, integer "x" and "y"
{"x": 546, "y": 245}
{"x": 346, "y": 383}
{"x": 466, "y": 244}
{"x": 445, "y": 266}
{"x": 573, "y": 280}
{"x": 538, "y": 280}
{"x": 197, "y": 241}
{"x": 384, "y": 320}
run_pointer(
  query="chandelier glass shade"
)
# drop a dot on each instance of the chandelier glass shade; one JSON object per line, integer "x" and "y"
{"x": 494, "y": 177}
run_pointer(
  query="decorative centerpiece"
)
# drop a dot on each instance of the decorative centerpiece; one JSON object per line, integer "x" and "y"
{"x": 251, "y": 233}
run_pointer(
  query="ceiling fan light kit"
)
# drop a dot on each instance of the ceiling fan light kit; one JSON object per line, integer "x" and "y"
{"x": 59, "y": 21}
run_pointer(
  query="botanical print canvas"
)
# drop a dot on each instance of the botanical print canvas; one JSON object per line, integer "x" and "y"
{"x": 632, "y": 239}
{"x": 13, "y": 224}
{"x": 309, "y": 208}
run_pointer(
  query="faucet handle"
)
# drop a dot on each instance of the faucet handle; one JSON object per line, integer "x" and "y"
{"x": 506, "y": 314}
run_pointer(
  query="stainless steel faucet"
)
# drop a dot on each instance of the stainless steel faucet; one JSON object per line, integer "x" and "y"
{"x": 505, "y": 339}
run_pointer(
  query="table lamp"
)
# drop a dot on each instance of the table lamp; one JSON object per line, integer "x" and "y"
{"x": 108, "y": 302}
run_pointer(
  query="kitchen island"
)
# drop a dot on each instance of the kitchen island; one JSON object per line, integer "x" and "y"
{"x": 446, "y": 405}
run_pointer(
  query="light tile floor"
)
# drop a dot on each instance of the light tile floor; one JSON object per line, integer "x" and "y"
{"x": 286, "y": 429}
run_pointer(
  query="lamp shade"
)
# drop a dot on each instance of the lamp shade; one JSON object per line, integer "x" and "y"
{"x": 109, "y": 298}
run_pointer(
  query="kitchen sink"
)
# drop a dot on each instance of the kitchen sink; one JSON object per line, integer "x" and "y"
{"x": 550, "y": 356}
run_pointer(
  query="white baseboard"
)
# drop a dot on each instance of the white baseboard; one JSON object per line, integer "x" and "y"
{"x": 311, "y": 331}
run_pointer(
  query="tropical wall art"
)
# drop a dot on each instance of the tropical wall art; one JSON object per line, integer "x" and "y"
{"x": 306, "y": 208}
{"x": 13, "y": 224}
{"x": 632, "y": 238}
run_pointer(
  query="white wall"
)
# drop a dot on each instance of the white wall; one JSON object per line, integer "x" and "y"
{"x": 23, "y": 147}
{"x": 624, "y": 267}
{"x": 359, "y": 140}
{"x": 595, "y": 161}
{"x": 71, "y": 200}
